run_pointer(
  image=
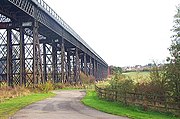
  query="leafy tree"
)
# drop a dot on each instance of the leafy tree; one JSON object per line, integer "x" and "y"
{"x": 173, "y": 67}
{"x": 158, "y": 83}
{"x": 116, "y": 70}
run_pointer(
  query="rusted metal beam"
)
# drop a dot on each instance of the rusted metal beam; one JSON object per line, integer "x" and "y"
{"x": 44, "y": 62}
{"x": 54, "y": 62}
{"x": 35, "y": 37}
{"x": 90, "y": 66}
{"x": 22, "y": 58}
{"x": 9, "y": 58}
{"x": 81, "y": 66}
{"x": 94, "y": 68}
{"x": 98, "y": 72}
{"x": 73, "y": 65}
{"x": 77, "y": 69}
{"x": 62, "y": 60}
{"x": 4, "y": 25}
{"x": 85, "y": 64}
{"x": 69, "y": 65}
{"x": 37, "y": 63}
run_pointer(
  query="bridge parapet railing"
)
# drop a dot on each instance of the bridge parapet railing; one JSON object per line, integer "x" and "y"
{"x": 58, "y": 19}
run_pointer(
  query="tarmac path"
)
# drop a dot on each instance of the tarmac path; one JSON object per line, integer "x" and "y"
{"x": 65, "y": 105}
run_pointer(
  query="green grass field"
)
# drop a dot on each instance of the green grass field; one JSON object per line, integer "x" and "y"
{"x": 139, "y": 76}
{"x": 92, "y": 100}
{"x": 9, "y": 107}
{"x": 132, "y": 74}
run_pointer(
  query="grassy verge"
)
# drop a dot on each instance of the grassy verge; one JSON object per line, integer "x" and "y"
{"x": 92, "y": 100}
{"x": 9, "y": 107}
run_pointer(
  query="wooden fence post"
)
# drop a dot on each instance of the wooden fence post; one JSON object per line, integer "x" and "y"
{"x": 154, "y": 100}
{"x": 125, "y": 98}
{"x": 165, "y": 101}
{"x": 105, "y": 94}
{"x": 100, "y": 90}
{"x": 116, "y": 95}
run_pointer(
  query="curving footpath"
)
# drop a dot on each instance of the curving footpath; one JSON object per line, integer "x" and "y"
{"x": 65, "y": 105}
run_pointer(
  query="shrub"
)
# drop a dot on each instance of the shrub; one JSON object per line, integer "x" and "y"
{"x": 155, "y": 86}
{"x": 3, "y": 83}
{"x": 92, "y": 79}
{"x": 44, "y": 88}
{"x": 122, "y": 83}
{"x": 58, "y": 86}
{"x": 85, "y": 79}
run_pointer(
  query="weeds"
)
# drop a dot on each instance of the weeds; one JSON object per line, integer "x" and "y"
{"x": 9, "y": 92}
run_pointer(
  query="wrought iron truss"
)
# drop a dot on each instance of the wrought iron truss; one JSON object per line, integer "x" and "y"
{"x": 36, "y": 45}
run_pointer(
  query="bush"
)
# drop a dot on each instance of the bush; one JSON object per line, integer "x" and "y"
{"x": 85, "y": 79}
{"x": 122, "y": 83}
{"x": 44, "y": 88}
{"x": 58, "y": 86}
{"x": 3, "y": 83}
{"x": 156, "y": 85}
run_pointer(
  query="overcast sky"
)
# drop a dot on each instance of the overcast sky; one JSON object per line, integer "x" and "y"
{"x": 122, "y": 32}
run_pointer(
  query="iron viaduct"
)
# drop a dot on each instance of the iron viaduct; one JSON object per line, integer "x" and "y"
{"x": 36, "y": 45}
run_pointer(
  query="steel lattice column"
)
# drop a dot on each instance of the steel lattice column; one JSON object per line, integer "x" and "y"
{"x": 47, "y": 61}
{"x": 94, "y": 68}
{"x": 66, "y": 64}
{"x": 3, "y": 55}
{"x": 101, "y": 70}
{"x": 98, "y": 72}
{"x": 77, "y": 72}
{"x": 22, "y": 58}
{"x": 72, "y": 66}
{"x": 54, "y": 61}
{"x": 62, "y": 60}
{"x": 37, "y": 64}
{"x": 82, "y": 60}
{"x": 26, "y": 46}
{"x": 44, "y": 62}
{"x": 90, "y": 66}
{"x": 9, "y": 58}
{"x": 85, "y": 64}
{"x": 69, "y": 65}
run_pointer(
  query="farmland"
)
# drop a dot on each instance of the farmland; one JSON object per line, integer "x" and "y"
{"x": 138, "y": 76}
